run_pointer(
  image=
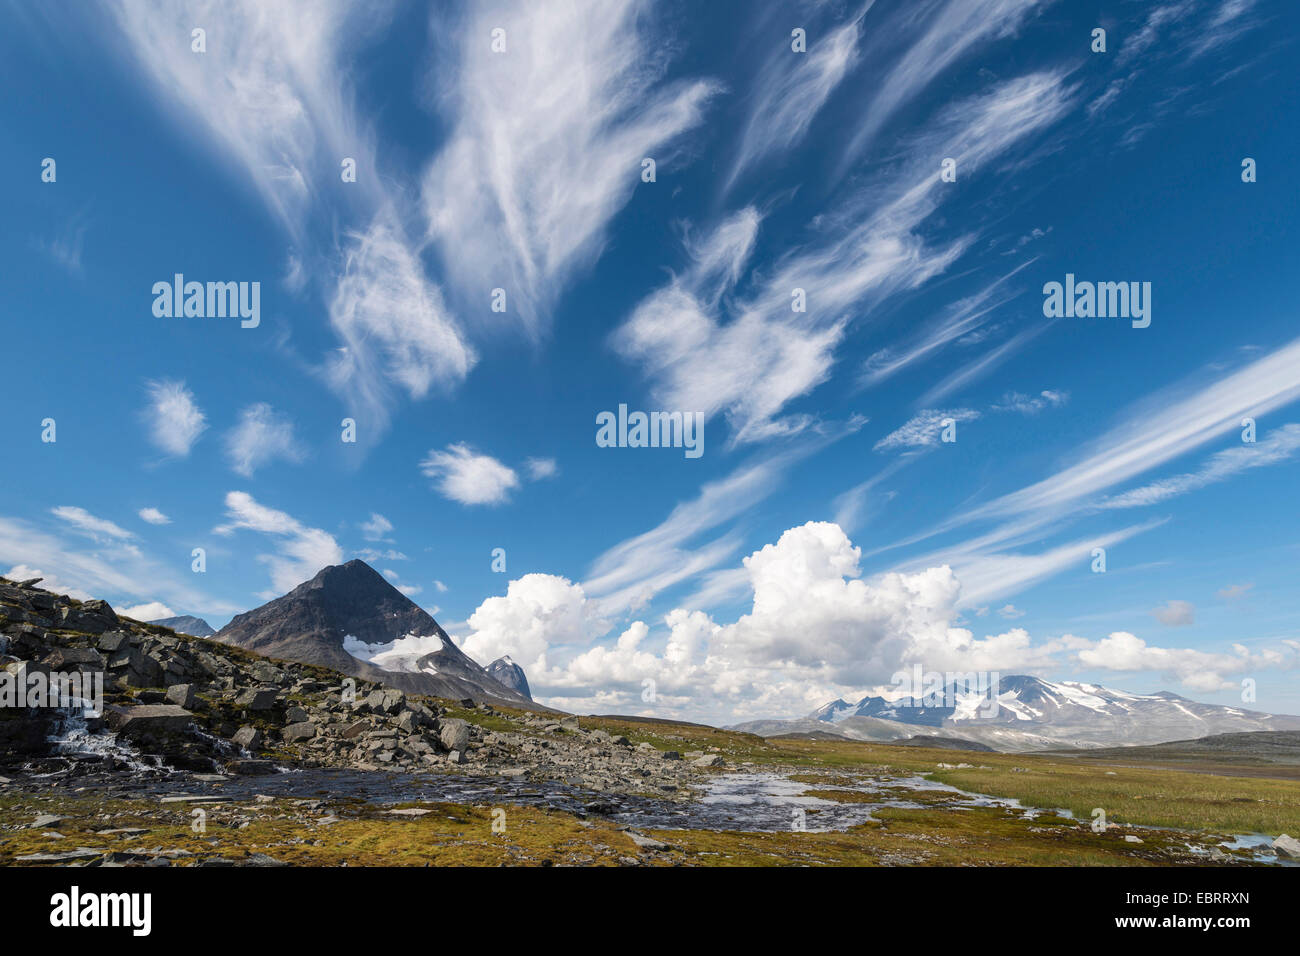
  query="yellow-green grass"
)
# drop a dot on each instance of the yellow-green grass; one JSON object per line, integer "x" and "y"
{"x": 982, "y": 837}
{"x": 454, "y": 834}
{"x": 449, "y": 835}
{"x": 1165, "y": 798}
{"x": 1130, "y": 795}
{"x": 462, "y": 835}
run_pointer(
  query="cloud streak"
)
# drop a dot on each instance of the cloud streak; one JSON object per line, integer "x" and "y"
{"x": 546, "y": 143}
{"x": 303, "y": 550}
{"x": 749, "y": 356}
{"x": 790, "y": 90}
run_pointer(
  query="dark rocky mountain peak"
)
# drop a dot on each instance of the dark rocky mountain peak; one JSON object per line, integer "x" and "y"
{"x": 507, "y": 672}
{"x": 350, "y": 618}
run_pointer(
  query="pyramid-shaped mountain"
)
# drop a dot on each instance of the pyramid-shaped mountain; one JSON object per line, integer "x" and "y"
{"x": 349, "y": 618}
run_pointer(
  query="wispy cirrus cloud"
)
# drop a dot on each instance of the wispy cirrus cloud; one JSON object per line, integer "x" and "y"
{"x": 111, "y": 567}
{"x": 261, "y": 436}
{"x": 1023, "y": 404}
{"x": 173, "y": 418}
{"x": 396, "y": 329}
{"x": 982, "y": 366}
{"x": 1169, "y": 424}
{"x": 747, "y": 356}
{"x": 377, "y": 528}
{"x": 273, "y": 92}
{"x": 933, "y": 35}
{"x": 790, "y": 90}
{"x": 303, "y": 550}
{"x": 1229, "y": 21}
{"x": 1169, "y": 36}
{"x": 87, "y": 523}
{"x": 270, "y": 90}
{"x": 546, "y": 142}
{"x": 924, "y": 429}
{"x": 870, "y": 244}
{"x": 961, "y": 318}
{"x": 1277, "y": 446}
{"x": 748, "y": 368}
{"x": 851, "y": 505}
{"x": 998, "y": 568}
{"x": 1158, "y": 17}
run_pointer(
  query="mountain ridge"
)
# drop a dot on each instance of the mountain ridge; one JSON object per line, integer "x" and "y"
{"x": 1033, "y": 714}
{"x": 186, "y": 624}
{"x": 350, "y": 609}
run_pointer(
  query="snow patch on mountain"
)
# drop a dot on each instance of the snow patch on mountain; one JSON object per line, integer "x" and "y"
{"x": 1031, "y": 714}
{"x": 402, "y": 654}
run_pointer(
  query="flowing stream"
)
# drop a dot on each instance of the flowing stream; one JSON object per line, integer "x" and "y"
{"x": 760, "y": 801}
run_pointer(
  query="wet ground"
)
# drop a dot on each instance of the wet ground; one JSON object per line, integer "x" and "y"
{"x": 767, "y": 801}
{"x": 770, "y": 800}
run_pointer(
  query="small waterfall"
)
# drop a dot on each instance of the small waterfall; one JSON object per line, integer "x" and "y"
{"x": 73, "y": 737}
{"x": 226, "y": 748}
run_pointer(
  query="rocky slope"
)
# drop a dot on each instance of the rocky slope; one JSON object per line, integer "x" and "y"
{"x": 175, "y": 702}
{"x": 350, "y": 619}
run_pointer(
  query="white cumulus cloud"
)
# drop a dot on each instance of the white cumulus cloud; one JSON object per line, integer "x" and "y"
{"x": 153, "y": 611}
{"x": 154, "y": 516}
{"x": 466, "y": 476}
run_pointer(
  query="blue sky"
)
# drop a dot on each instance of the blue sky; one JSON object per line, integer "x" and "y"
{"x": 827, "y": 534}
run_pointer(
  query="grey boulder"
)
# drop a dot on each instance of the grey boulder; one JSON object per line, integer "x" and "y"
{"x": 455, "y": 734}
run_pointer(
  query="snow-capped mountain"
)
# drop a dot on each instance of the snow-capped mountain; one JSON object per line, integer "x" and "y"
{"x": 1027, "y": 713}
{"x": 834, "y": 712}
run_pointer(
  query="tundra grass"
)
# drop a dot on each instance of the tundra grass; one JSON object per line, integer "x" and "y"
{"x": 1144, "y": 796}
{"x": 450, "y": 834}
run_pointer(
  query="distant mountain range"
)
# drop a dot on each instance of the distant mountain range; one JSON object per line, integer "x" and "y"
{"x": 1032, "y": 714}
{"x": 187, "y": 624}
{"x": 349, "y": 618}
